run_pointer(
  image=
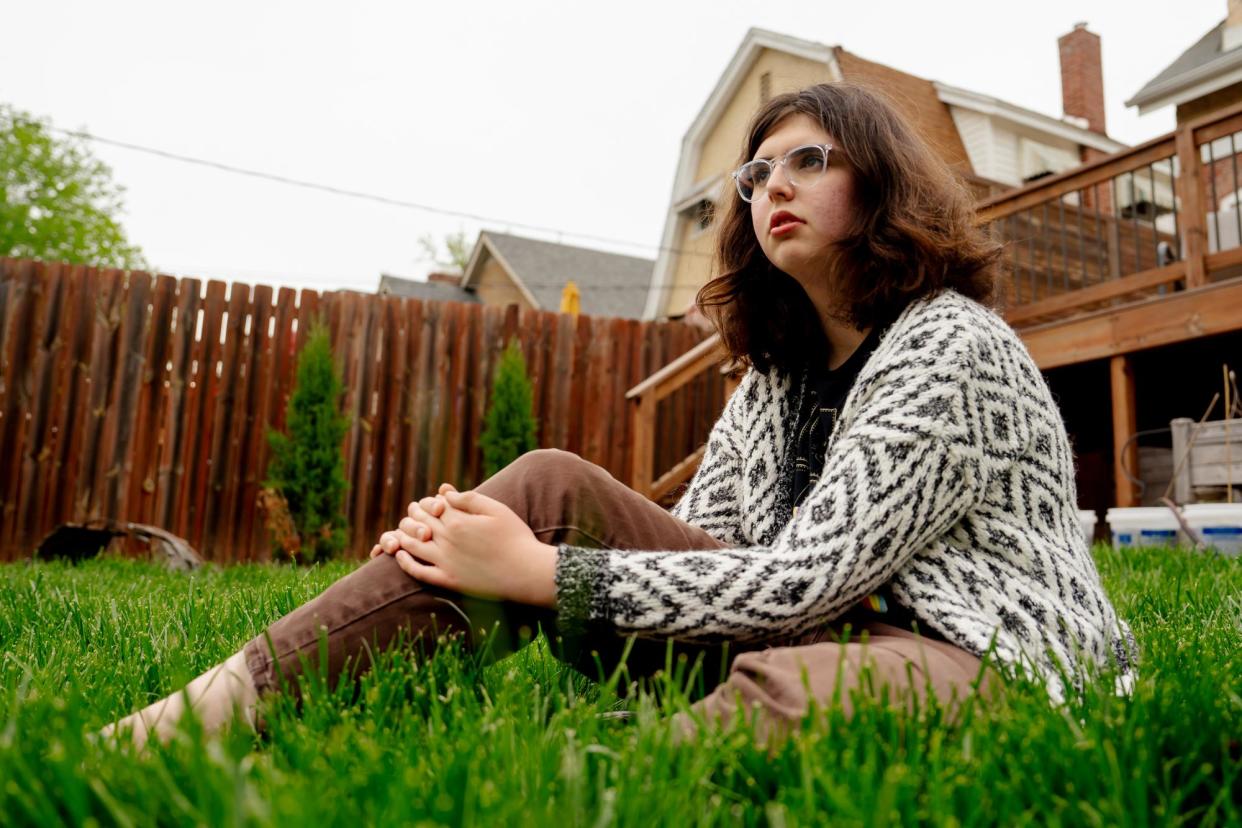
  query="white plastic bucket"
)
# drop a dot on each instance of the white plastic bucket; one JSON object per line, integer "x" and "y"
{"x": 1087, "y": 519}
{"x": 1218, "y": 524}
{"x": 1142, "y": 526}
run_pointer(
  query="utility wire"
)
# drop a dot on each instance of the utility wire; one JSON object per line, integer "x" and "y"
{"x": 365, "y": 196}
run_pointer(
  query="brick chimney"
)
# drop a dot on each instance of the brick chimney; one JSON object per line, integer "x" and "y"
{"x": 1231, "y": 37}
{"x": 1082, "y": 76}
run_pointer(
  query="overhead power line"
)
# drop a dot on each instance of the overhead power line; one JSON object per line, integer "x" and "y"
{"x": 365, "y": 196}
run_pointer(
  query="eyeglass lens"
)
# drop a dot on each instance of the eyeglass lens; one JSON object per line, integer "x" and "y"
{"x": 803, "y": 165}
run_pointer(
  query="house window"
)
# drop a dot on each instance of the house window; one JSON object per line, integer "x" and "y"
{"x": 704, "y": 212}
{"x": 765, "y": 87}
{"x": 1037, "y": 160}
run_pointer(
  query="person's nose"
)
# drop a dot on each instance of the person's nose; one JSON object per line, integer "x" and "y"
{"x": 779, "y": 185}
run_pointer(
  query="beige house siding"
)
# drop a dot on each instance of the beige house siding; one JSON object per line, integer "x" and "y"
{"x": 495, "y": 287}
{"x": 723, "y": 143}
{"x": 717, "y": 158}
{"x": 692, "y": 268}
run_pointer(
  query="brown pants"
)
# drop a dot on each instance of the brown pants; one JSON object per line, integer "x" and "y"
{"x": 565, "y": 499}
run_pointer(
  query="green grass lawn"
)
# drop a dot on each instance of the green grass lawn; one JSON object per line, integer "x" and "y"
{"x": 520, "y": 742}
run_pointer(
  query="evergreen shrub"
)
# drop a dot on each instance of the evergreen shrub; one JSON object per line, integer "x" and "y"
{"x": 307, "y": 466}
{"x": 509, "y": 426}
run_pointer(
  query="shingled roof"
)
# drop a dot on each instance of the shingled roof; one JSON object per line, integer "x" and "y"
{"x": 427, "y": 291}
{"x": 1198, "y": 63}
{"x": 610, "y": 284}
{"x": 916, "y": 98}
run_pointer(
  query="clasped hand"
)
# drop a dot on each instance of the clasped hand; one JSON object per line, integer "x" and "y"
{"x": 470, "y": 543}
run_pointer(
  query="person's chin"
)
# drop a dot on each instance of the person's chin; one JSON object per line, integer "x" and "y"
{"x": 791, "y": 258}
{"x": 805, "y": 269}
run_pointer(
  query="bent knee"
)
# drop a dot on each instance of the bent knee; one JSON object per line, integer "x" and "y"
{"x": 551, "y": 461}
{"x": 546, "y": 486}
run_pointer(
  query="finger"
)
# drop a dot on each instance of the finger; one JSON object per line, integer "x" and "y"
{"x": 376, "y": 551}
{"x": 423, "y": 551}
{"x": 469, "y": 501}
{"x": 412, "y": 527}
{"x": 447, "y": 487}
{"x": 389, "y": 542}
{"x": 432, "y": 505}
{"x": 430, "y": 521}
{"x": 432, "y": 575}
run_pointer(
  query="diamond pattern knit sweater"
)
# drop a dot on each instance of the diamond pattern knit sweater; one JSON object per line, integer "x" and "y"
{"x": 949, "y": 477}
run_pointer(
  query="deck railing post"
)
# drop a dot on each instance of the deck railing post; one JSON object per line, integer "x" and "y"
{"x": 1190, "y": 192}
{"x": 642, "y": 427}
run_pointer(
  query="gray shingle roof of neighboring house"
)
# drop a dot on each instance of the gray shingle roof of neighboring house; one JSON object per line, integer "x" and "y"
{"x": 427, "y": 291}
{"x": 1199, "y": 62}
{"x": 609, "y": 284}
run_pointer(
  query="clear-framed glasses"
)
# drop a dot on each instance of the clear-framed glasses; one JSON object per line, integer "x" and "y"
{"x": 803, "y": 166}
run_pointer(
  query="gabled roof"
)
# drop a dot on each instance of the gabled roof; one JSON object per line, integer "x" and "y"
{"x": 1198, "y": 71}
{"x": 427, "y": 291}
{"x": 610, "y": 284}
{"x": 755, "y": 41}
{"x": 916, "y": 98}
{"x": 744, "y": 58}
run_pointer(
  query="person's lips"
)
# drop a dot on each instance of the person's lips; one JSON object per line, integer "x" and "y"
{"x": 782, "y": 222}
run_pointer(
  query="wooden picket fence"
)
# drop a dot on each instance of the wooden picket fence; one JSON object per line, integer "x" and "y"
{"x": 148, "y": 398}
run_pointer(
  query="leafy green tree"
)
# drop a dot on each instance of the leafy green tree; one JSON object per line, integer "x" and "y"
{"x": 307, "y": 466}
{"x": 57, "y": 201}
{"x": 509, "y": 425}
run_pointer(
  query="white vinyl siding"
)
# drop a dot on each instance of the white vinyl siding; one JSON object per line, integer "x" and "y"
{"x": 975, "y": 130}
{"x": 1007, "y": 153}
{"x": 1036, "y": 157}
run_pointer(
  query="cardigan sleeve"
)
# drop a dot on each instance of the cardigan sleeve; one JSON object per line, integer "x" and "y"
{"x": 902, "y": 473}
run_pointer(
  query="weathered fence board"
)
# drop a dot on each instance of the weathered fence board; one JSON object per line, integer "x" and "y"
{"x": 150, "y": 398}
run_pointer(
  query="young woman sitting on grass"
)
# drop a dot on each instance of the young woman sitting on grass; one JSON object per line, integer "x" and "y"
{"x": 892, "y": 462}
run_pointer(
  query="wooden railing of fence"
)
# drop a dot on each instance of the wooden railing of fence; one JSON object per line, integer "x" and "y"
{"x": 148, "y": 398}
{"x": 644, "y": 398}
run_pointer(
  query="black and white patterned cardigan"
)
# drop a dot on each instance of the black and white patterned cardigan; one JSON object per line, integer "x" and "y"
{"x": 949, "y": 477}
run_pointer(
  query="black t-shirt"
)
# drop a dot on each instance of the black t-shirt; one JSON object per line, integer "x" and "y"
{"x": 826, "y": 392}
{"x": 821, "y": 408}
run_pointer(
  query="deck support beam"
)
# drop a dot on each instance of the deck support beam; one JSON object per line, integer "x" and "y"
{"x": 1125, "y": 425}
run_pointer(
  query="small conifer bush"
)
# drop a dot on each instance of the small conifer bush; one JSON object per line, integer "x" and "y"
{"x": 509, "y": 425}
{"x": 307, "y": 466}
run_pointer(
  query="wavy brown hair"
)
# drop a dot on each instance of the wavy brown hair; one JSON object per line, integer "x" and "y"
{"x": 914, "y": 235}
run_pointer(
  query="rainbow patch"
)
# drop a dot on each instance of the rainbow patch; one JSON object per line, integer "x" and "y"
{"x": 875, "y": 603}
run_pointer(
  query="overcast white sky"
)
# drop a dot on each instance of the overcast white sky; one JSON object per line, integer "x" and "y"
{"x": 566, "y": 115}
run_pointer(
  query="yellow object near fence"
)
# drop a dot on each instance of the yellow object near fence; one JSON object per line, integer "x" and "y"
{"x": 570, "y": 298}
